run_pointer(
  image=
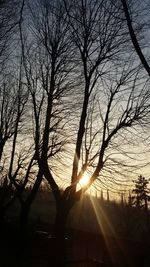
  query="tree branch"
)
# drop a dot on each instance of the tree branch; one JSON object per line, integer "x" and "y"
{"x": 134, "y": 38}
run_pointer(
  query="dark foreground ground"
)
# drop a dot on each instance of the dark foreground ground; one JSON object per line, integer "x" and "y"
{"x": 83, "y": 249}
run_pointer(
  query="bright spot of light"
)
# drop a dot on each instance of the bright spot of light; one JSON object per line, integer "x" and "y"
{"x": 84, "y": 180}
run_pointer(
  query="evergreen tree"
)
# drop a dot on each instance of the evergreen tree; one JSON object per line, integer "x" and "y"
{"x": 141, "y": 196}
{"x": 141, "y": 192}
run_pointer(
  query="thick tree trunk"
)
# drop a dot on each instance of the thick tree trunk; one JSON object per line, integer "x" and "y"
{"x": 24, "y": 223}
{"x": 24, "y": 219}
{"x": 23, "y": 233}
{"x": 58, "y": 249}
{"x": 30, "y": 199}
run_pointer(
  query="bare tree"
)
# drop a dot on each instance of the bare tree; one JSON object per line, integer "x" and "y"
{"x": 79, "y": 57}
{"x": 13, "y": 99}
{"x": 14, "y": 96}
{"x": 9, "y": 18}
{"x": 47, "y": 81}
{"x": 95, "y": 46}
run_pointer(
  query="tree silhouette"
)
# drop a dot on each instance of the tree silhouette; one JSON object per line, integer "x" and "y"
{"x": 79, "y": 43}
{"x": 141, "y": 192}
{"x": 141, "y": 195}
{"x": 87, "y": 97}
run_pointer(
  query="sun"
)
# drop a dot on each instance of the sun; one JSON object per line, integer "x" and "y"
{"x": 84, "y": 180}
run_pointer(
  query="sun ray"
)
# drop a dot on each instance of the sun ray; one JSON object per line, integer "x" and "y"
{"x": 105, "y": 227}
{"x": 84, "y": 180}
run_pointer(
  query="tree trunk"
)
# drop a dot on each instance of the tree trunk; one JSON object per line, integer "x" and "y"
{"x": 26, "y": 205}
{"x": 58, "y": 249}
{"x": 24, "y": 218}
{"x": 147, "y": 215}
{"x": 23, "y": 233}
{"x": 1, "y": 149}
{"x": 24, "y": 221}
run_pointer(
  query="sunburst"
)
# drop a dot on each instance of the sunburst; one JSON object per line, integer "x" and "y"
{"x": 84, "y": 180}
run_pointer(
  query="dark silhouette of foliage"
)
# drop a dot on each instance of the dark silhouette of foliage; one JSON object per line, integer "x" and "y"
{"x": 142, "y": 197}
{"x": 141, "y": 192}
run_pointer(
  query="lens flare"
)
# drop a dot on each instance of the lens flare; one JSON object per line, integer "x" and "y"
{"x": 84, "y": 180}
